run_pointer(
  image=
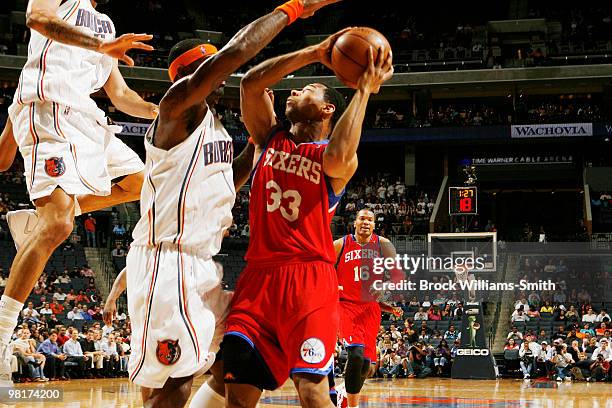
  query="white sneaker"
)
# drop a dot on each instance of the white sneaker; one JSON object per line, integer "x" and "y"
{"x": 21, "y": 223}
{"x": 6, "y": 377}
{"x": 559, "y": 379}
{"x": 568, "y": 378}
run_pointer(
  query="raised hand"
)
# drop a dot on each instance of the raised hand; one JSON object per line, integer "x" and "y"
{"x": 325, "y": 48}
{"x": 378, "y": 71}
{"x": 119, "y": 47}
{"x": 311, "y": 6}
{"x": 270, "y": 94}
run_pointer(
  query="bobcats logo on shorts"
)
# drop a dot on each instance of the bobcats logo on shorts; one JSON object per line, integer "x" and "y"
{"x": 168, "y": 351}
{"x": 312, "y": 350}
{"x": 55, "y": 167}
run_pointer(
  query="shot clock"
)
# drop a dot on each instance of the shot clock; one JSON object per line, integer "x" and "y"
{"x": 463, "y": 200}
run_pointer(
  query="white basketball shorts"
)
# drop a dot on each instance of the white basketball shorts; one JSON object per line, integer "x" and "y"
{"x": 62, "y": 147}
{"x": 172, "y": 328}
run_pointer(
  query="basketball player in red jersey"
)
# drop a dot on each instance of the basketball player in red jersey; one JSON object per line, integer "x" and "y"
{"x": 284, "y": 316}
{"x": 360, "y": 306}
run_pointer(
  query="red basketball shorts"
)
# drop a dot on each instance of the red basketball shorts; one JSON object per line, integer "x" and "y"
{"x": 359, "y": 323}
{"x": 289, "y": 315}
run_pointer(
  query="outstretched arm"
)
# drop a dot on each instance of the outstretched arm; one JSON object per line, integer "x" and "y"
{"x": 127, "y": 100}
{"x": 242, "y": 166}
{"x": 8, "y": 146}
{"x": 247, "y": 43}
{"x": 110, "y": 306}
{"x": 41, "y": 16}
{"x": 340, "y": 157}
{"x": 256, "y": 108}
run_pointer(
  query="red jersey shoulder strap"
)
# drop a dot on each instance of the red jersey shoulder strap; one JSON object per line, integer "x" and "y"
{"x": 341, "y": 255}
{"x": 272, "y": 135}
{"x": 376, "y": 240}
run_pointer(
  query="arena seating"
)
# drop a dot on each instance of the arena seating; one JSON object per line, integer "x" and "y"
{"x": 601, "y": 206}
{"x": 462, "y": 40}
{"x": 399, "y": 210}
{"x": 555, "y": 315}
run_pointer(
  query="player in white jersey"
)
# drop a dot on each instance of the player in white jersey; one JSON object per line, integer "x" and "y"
{"x": 212, "y": 393}
{"x": 68, "y": 148}
{"x": 186, "y": 203}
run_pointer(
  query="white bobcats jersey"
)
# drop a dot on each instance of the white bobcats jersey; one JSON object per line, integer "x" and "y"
{"x": 66, "y": 74}
{"x": 188, "y": 192}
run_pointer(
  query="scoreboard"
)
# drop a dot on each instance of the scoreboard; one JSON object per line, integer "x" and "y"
{"x": 463, "y": 200}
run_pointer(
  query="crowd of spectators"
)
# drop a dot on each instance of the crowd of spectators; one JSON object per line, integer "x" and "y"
{"x": 60, "y": 334}
{"x": 466, "y": 115}
{"x": 61, "y": 353}
{"x": 418, "y": 39}
{"x": 564, "y": 333}
{"x": 423, "y": 345}
{"x": 240, "y": 224}
{"x": 561, "y": 109}
{"x": 399, "y": 210}
{"x": 581, "y": 354}
{"x": 582, "y": 24}
{"x": 561, "y": 112}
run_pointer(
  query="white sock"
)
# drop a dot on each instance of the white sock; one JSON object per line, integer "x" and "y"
{"x": 9, "y": 313}
{"x": 206, "y": 397}
{"x": 77, "y": 207}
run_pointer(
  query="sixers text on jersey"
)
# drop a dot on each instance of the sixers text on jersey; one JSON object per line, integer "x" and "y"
{"x": 355, "y": 266}
{"x": 292, "y": 204}
{"x": 293, "y": 164}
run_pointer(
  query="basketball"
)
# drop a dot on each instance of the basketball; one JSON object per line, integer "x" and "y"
{"x": 350, "y": 53}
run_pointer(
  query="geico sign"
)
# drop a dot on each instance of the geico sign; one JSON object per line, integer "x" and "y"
{"x": 473, "y": 352}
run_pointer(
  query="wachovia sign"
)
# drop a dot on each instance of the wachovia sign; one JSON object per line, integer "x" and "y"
{"x": 552, "y": 130}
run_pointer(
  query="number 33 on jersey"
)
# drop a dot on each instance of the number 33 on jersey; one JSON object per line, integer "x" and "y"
{"x": 291, "y": 204}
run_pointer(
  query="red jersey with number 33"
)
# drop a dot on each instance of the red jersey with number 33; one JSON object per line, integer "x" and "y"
{"x": 291, "y": 205}
{"x": 355, "y": 269}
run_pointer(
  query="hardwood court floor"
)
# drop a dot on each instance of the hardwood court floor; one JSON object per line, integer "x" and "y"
{"x": 432, "y": 392}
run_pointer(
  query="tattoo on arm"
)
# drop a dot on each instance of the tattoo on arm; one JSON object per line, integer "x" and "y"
{"x": 58, "y": 30}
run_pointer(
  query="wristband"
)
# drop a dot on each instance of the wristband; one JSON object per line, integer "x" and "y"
{"x": 293, "y": 8}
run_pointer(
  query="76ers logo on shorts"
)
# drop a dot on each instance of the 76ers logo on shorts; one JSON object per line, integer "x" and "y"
{"x": 55, "y": 167}
{"x": 313, "y": 350}
{"x": 168, "y": 351}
